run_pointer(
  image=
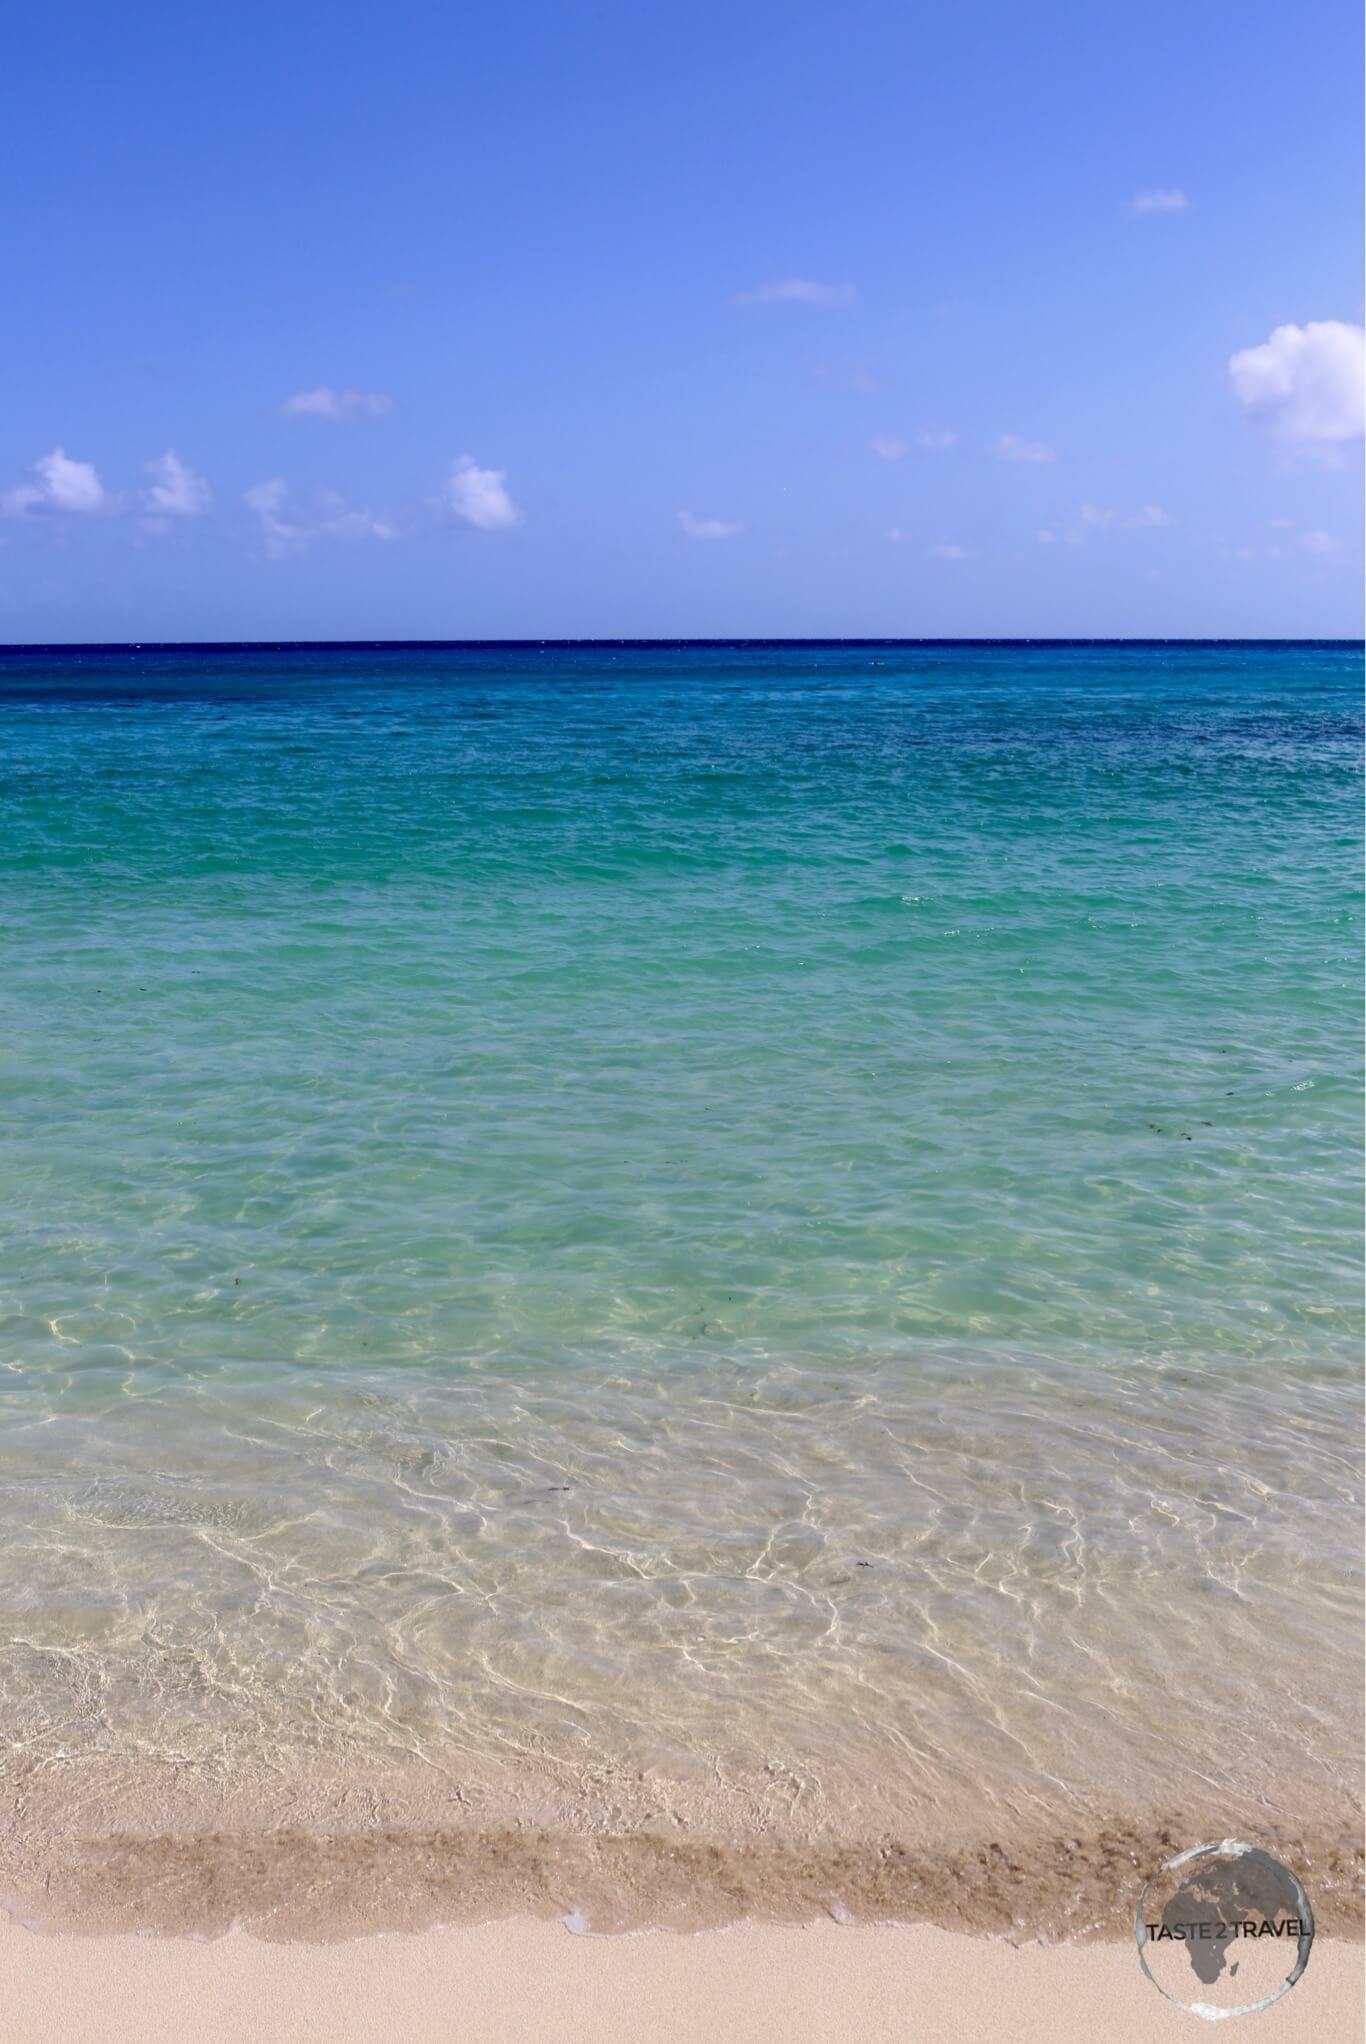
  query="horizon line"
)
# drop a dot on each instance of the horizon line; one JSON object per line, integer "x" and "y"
{"x": 76, "y": 646}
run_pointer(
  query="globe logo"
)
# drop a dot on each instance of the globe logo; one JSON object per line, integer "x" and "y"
{"x": 1224, "y": 1930}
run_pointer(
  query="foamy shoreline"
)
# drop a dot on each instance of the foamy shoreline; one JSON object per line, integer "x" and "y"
{"x": 515, "y": 1982}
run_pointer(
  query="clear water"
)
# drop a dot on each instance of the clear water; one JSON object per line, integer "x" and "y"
{"x": 719, "y": 1238}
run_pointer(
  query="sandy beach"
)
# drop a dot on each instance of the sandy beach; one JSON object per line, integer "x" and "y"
{"x": 511, "y": 1983}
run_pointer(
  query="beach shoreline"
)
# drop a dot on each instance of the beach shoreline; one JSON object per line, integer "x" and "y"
{"x": 289, "y": 1883}
{"x": 516, "y": 1981}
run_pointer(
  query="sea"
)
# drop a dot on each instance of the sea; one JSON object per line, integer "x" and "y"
{"x": 665, "y": 1281}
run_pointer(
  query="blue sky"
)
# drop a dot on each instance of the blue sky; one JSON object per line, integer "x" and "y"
{"x": 631, "y": 320}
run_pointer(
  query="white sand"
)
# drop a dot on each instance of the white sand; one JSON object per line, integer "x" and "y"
{"x": 512, "y": 1983}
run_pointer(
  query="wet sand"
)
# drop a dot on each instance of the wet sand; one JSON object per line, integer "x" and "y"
{"x": 515, "y": 1982}
{"x": 286, "y": 1884}
{"x": 962, "y": 1652}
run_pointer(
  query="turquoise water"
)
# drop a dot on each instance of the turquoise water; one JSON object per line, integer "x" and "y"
{"x": 821, "y": 1105}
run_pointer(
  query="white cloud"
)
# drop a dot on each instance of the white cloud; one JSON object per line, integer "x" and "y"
{"x": 1011, "y": 447}
{"x": 1306, "y": 383}
{"x": 1169, "y": 200}
{"x": 1281, "y": 524}
{"x": 797, "y": 291}
{"x": 934, "y": 439}
{"x": 175, "y": 491}
{"x": 1094, "y": 518}
{"x": 281, "y": 534}
{"x": 1318, "y": 542}
{"x": 479, "y": 496}
{"x": 707, "y": 528}
{"x": 326, "y": 403}
{"x": 287, "y": 529}
{"x": 949, "y": 552}
{"x": 895, "y": 535}
{"x": 335, "y": 520}
{"x": 861, "y": 377}
{"x": 58, "y": 484}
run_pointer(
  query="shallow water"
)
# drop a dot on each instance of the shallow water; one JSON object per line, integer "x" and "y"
{"x": 739, "y": 1245}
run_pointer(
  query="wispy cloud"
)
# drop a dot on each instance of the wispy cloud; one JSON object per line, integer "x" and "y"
{"x": 479, "y": 496}
{"x": 1160, "y": 199}
{"x": 326, "y": 403}
{"x": 947, "y": 551}
{"x": 860, "y": 377}
{"x": 175, "y": 491}
{"x": 1322, "y": 545}
{"x": 797, "y": 291}
{"x": 932, "y": 439}
{"x": 281, "y": 532}
{"x": 57, "y": 483}
{"x": 1094, "y": 518}
{"x": 1011, "y": 447}
{"x": 693, "y": 527}
{"x": 1305, "y": 385}
{"x": 287, "y": 528}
